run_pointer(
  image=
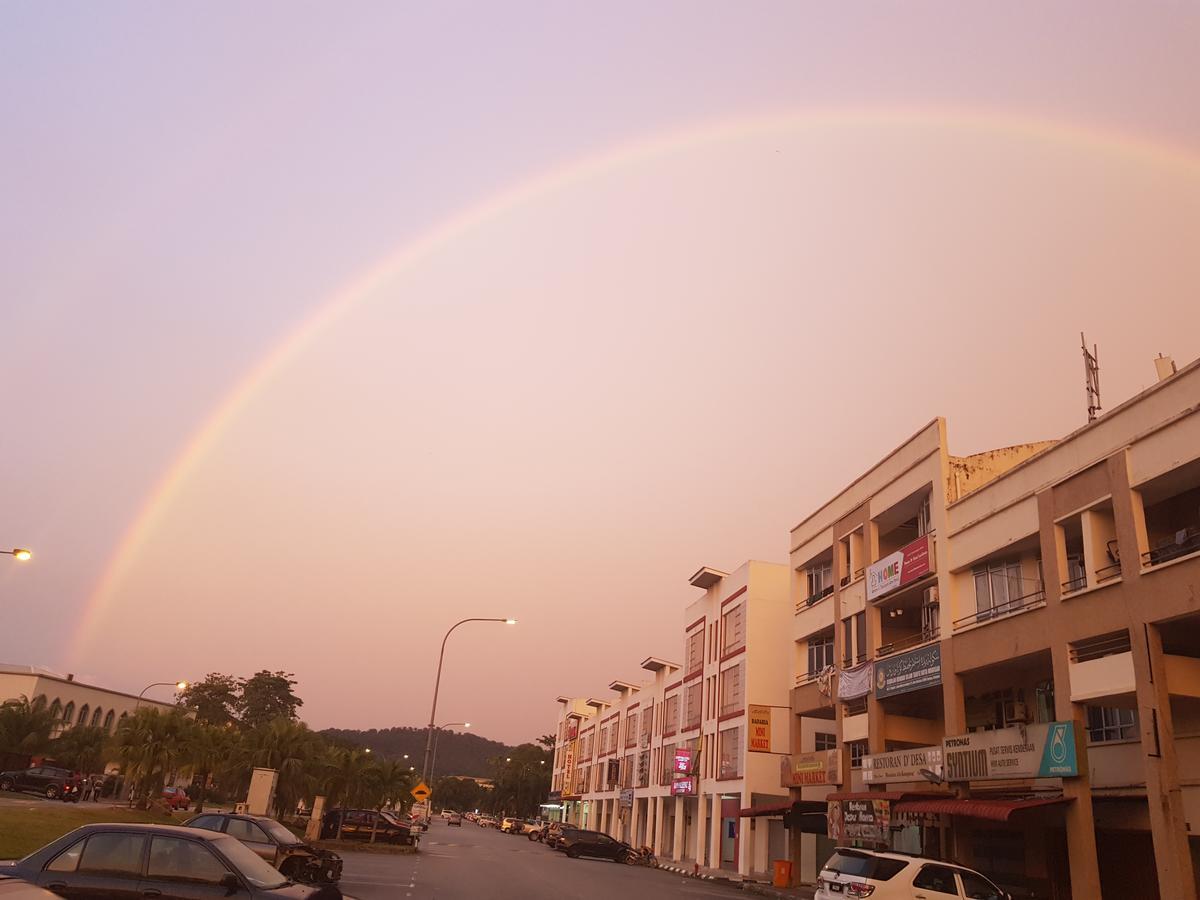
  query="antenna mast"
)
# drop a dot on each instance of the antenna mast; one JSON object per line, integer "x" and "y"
{"x": 1091, "y": 375}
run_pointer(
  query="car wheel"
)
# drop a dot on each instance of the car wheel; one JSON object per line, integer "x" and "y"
{"x": 629, "y": 858}
{"x": 6, "y": 784}
{"x": 52, "y": 792}
{"x": 573, "y": 852}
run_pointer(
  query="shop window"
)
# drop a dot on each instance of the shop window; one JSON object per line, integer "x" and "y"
{"x": 1111, "y": 723}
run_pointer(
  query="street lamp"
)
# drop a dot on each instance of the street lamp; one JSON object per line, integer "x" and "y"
{"x": 437, "y": 734}
{"x": 19, "y": 553}
{"x": 438, "y": 683}
{"x": 179, "y": 686}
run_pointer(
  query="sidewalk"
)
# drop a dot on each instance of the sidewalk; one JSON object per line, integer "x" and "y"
{"x": 733, "y": 879}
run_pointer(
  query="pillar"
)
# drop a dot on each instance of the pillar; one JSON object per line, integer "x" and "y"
{"x": 747, "y": 843}
{"x": 602, "y": 816}
{"x": 715, "y": 824}
{"x": 701, "y": 835}
{"x": 656, "y": 842}
{"x": 677, "y": 845}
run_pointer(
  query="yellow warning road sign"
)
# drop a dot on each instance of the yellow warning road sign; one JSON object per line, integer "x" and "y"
{"x": 421, "y": 791}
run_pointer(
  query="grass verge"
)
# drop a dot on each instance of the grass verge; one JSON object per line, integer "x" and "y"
{"x": 343, "y": 847}
{"x": 25, "y": 828}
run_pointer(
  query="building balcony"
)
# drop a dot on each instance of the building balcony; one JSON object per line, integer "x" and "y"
{"x": 1102, "y": 667}
{"x": 1184, "y": 542}
{"x": 907, "y": 642}
{"x": 810, "y": 699}
{"x": 1033, "y": 600}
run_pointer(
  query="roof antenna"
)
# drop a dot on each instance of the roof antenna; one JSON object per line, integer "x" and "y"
{"x": 1091, "y": 374}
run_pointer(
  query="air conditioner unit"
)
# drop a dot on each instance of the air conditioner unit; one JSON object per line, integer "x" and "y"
{"x": 1016, "y": 711}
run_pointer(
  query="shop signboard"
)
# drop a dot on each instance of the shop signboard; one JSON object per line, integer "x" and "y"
{"x": 862, "y": 820}
{"x": 683, "y": 760}
{"x": 1025, "y": 751}
{"x": 569, "y": 751}
{"x": 911, "y": 671}
{"x": 760, "y": 729}
{"x": 626, "y": 797}
{"x": 817, "y": 767}
{"x": 902, "y": 765}
{"x": 855, "y": 682}
{"x": 895, "y": 570}
{"x": 683, "y": 784}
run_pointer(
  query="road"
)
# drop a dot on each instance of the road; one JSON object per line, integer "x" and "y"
{"x": 473, "y": 863}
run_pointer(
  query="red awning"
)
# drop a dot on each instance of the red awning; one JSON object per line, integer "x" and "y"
{"x": 871, "y": 795}
{"x": 976, "y": 808}
{"x": 777, "y": 809}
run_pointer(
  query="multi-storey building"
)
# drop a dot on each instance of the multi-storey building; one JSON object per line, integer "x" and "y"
{"x": 689, "y": 762}
{"x": 997, "y": 657}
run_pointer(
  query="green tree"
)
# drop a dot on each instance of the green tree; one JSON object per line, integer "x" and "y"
{"x": 82, "y": 748}
{"x": 215, "y": 700}
{"x": 211, "y": 751}
{"x": 387, "y": 783}
{"x": 25, "y": 727}
{"x": 266, "y": 696}
{"x": 286, "y": 746}
{"x": 150, "y": 745}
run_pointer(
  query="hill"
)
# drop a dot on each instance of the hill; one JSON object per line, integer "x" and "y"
{"x": 458, "y": 753}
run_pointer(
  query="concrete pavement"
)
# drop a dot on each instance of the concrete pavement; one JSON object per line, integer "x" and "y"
{"x": 474, "y": 863}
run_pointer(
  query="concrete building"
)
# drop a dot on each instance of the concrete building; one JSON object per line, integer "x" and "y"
{"x": 72, "y": 702}
{"x": 688, "y": 762}
{"x": 997, "y": 657}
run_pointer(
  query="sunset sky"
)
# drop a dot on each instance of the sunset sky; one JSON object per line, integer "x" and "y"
{"x": 326, "y": 325}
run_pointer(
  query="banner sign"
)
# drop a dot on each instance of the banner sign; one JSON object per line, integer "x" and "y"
{"x": 760, "y": 729}
{"x": 855, "y": 682}
{"x": 614, "y": 772}
{"x": 863, "y": 820}
{"x": 569, "y": 751}
{"x": 817, "y": 767}
{"x": 897, "y": 569}
{"x": 572, "y": 728}
{"x": 911, "y": 671}
{"x": 902, "y": 765}
{"x": 1031, "y": 751}
{"x": 683, "y": 760}
{"x": 626, "y": 797}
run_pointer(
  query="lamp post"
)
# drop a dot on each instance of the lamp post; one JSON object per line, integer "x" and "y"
{"x": 437, "y": 733}
{"x": 19, "y": 553}
{"x": 438, "y": 683}
{"x": 179, "y": 686}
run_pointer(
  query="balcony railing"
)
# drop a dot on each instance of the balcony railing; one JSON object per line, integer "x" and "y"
{"x": 1108, "y": 573}
{"x": 1097, "y": 647}
{"x": 1031, "y": 600}
{"x": 819, "y": 595}
{"x": 1078, "y": 583}
{"x": 1185, "y": 541}
{"x": 905, "y": 643}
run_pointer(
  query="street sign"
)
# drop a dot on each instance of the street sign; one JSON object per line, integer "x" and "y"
{"x": 421, "y": 792}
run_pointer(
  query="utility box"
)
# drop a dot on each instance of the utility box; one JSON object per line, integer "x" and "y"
{"x": 313, "y": 830}
{"x": 262, "y": 792}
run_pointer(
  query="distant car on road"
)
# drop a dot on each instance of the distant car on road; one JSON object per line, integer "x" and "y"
{"x": 166, "y": 862}
{"x": 454, "y": 819}
{"x": 175, "y": 797}
{"x": 580, "y": 842}
{"x": 485, "y": 822}
{"x": 851, "y": 872}
{"x": 51, "y": 782}
{"x": 275, "y": 844}
{"x": 360, "y": 824}
{"x": 510, "y": 825}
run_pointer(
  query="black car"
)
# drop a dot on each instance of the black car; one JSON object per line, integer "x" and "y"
{"x": 275, "y": 844}
{"x": 579, "y": 842}
{"x": 167, "y": 862}
{"x": 360, "y": 824}
{"x": 50, "y": 781}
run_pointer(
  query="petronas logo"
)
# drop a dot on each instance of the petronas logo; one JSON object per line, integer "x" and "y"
{"x": 1058, "y": 745}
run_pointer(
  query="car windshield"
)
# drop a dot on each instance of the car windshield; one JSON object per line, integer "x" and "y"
{"x": 250, "y": 864}
{"x": 277, "y": 831}
{"x": 864, "y": 865}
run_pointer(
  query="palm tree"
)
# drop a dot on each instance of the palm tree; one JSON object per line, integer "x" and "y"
{"x": 344, "y": 780}
{"x": 286, "y": 746}
{"x": 82, "y": 748}
{"x": 25, "y": 727}
{"x": 151, "y": 744}
{"x": 212, "y": 750}
{"x": 389, "y": 783}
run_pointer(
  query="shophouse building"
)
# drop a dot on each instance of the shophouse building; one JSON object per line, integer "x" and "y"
{"x": 997, "y": 657}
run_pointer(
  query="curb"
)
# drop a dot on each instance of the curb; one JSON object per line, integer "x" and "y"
{"x": 677, "y": 870}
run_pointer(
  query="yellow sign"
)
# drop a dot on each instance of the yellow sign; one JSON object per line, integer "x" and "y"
{"x": 421, "y": 792}
{"x": 760, "y": 729}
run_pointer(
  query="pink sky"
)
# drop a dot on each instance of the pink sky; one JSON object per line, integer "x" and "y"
{"x": 560, "y": 413}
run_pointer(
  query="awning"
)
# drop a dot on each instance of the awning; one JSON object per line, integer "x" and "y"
{"x": 975, "y": 808}
{"x": 872, "y": 795}
{"x": 778, "y": 809}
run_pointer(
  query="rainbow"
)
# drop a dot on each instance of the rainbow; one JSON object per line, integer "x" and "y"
{"x": 1151, "y": 153}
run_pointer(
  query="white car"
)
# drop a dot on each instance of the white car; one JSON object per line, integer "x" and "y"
{"x": 854, "y": 873}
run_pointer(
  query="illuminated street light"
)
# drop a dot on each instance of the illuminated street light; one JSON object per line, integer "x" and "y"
{"x": 178, "y": 685}
{"x": 19, "y": 553}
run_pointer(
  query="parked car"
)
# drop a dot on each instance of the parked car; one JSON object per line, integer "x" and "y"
{"x": 175, "y": 797}
{"x": 582, "y": 842}
{"x": 446, "y": 813}
{"x": 486, "y": 822}
{"x": 360, "y": 824}
{"x": 275, "y": 844}
{"x": 556, "y": 833}
{"x": 529, "y": 826}
{"x": 510, "y": 825}
{"x": 51, "y": 782}
{"x": 167, "y": 862}
{"x": 454, "y": 819}
{"x": 851, "y": 872}
{"x": 12, "y": 889}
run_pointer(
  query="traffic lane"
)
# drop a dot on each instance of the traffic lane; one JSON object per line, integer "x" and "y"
{"x": 472, "y": 863}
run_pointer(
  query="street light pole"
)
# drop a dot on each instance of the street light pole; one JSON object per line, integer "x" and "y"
{"x": 179, "y": 686}
{"x": 437, "y": 685}
{"x": 437, "y": 733}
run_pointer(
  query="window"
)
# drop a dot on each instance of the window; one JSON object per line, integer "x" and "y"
{"x": 998, "y": 587}
{"x": 83, "y": 715}
{"x": 647, "y": 723}
{"x": 56, "y": 709}
{"x": 858, "y": 749}
{"x": 848, "y": 641}
{"x": 68, "y": 860}
{"x": 1109, "y": 723}
{"x": 114, "y": 854}
{"x": 860, "y": 636}
{"x": 937, "y": 878}
{"x": 846, "y": 861}
{"x": 820, "y": 654}
{"x": 108, "y": 721}
{"x": 212, "y": 823}
{"x": 733, "y": 629}
{"x": 631, "y": 729}
{"x": 820, "y": 580}
{"x": 96, "y": 717}
{"x": 693, "y": 710}
{"x": 643, "y": 769}
{"x": 603, "y": 738}
{"x": 695, "y": 651}
{"x": 246, "y": 831}
{"x": 671, "y": 714}
{"x": 924, "y": 519}
{"x": 69, "y": 712}
{"x": 976, "y": 887}
{"x": 823, "y": 740}
{"x": 667, "y": 763}
{"x": 173, "y": 859}
{"x": 731, "y": 753}
{"x": 733, "y": 690}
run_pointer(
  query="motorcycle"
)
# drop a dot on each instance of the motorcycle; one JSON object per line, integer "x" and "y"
{"x": 641, "y": 856}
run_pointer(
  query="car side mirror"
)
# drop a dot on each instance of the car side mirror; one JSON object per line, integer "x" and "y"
{"x": 231, "y": 884}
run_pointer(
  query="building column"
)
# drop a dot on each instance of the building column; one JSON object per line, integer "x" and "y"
{"x": 747, "y": 842}
{"x": 602, "y": 815}
{"x": 656, "y": 842}
{"x": 715, "y": 825}
{"x": 677, "y": 845}
{"x": 701, "y": 836}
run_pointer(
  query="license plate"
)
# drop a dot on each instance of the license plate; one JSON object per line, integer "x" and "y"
{"x": 834, "y": 887}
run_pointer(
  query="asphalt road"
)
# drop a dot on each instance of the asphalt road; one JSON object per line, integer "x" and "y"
{"x": 473, "y": 863}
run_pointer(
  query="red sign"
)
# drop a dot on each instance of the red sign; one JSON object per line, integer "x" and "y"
{"x": 683, "y": 786}
{"x": 897, "y": 569}
{"x": 683, "y": 760}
